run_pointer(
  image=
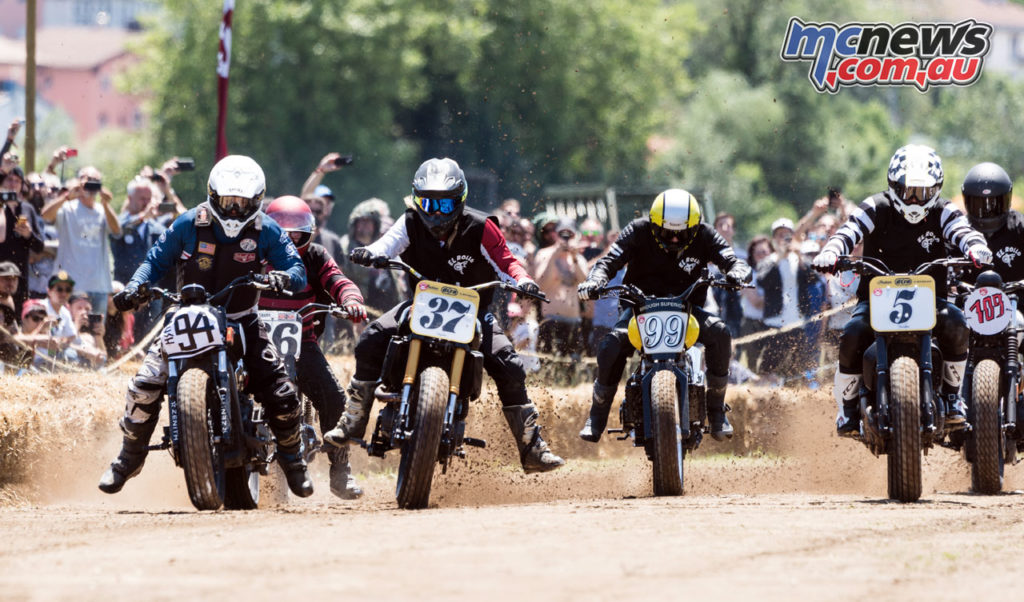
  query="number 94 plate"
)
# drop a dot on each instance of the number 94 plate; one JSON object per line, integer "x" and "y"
{"x": 444, "y": 311}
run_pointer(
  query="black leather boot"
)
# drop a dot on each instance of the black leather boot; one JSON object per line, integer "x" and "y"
{"x": 600, "y": 406}
{"x": 717, "y": 420}
{"x": 352, "y": 424}
{"x": 134, "y": 448}
{"x": 534, "y": 453}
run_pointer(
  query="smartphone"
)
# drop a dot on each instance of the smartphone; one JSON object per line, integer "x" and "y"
{"x": 166, "y": 207}
{"x": 22, "y": 220}
{"x": 21, "y": 122}
{"x": 343, "y": 160}
{"x": 95, "y": 321}
{"x": 72, "y": 152}
{"x": 186, "y": 164}
{"x": 93, "y": 186}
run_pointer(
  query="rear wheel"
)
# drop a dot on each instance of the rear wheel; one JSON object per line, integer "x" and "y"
{"x": 987, "y": 468}
{"x": 200, "y": 454}
{"x": 419, "y": 452}
{"x": 668, "y": 445}
{"x": 905, "y": 420}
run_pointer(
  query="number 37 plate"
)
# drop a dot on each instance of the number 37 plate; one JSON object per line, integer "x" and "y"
{"x": 444, "y": 311}
{"x": 902, "y": 303}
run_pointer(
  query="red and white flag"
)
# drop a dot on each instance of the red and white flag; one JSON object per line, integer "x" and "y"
{"x": 223, "y": 66}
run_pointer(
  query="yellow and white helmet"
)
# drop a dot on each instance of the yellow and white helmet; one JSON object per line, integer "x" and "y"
{"x": 675, "y": 216}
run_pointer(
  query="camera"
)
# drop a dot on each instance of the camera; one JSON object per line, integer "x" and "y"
{"x": 343, "y": 160}
{"x": 8, "y": 195}
{"x": 92, "y": 186}
{"x": 95, "y": 323}
{"x": 565, "y": 235}
{"x": 71, "y": 152}
{"x": 166, "y": 207}
{"x": 834, "y": 195}
{"x": 185, "y": 164}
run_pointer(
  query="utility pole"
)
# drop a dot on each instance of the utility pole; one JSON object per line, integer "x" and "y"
{"x": 30, "y": 86}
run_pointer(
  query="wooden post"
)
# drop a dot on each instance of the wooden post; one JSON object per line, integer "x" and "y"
{"x": 30, "y": 86}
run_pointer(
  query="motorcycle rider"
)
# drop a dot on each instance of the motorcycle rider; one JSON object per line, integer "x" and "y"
{"x": 905, "y": 226}
{"x": 666, "y": 253}
{"x": 987, "y": 189}
{"x": 221, "y": 239}
{"x": 325, "y": 283}
{"x": 444, "y": 239}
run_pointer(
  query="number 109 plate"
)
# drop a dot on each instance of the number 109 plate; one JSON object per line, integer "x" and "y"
{"x": 444, "y": 311}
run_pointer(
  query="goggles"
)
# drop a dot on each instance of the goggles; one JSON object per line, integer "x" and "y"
{"x": 301, "y": 222}
{"x": 234, "y": 206}
{"x": 444, "y": 206}
{"x": 987, "y": 206}
{"x": 917, "y": 195}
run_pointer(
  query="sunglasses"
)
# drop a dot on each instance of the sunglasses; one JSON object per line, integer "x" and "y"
{"x": 35, "y": 317}
{"x": 444, "y": 206}
{"x": 62, "y": 289}
{"x": 591, "y": 233}
{"x": 38, "y": 185}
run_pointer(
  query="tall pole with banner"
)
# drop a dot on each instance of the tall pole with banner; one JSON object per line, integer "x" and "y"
{"x": 223, "y": 66}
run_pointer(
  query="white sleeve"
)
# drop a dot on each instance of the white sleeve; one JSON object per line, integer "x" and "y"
{"x": 393, "y": 242}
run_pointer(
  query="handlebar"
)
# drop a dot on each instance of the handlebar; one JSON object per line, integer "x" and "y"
{"x": 256, "y": 281}
{"x": 397, "y": 264}
{"x": 632, "y": 295}
{"x": 873, "y": 266}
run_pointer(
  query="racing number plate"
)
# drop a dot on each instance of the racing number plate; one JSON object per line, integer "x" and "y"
{"x": 192, "y": 330}
{"x": 662, "y": 331}
{"x": 987, "y": 310}
{"x": 444, "y": 311}
{"x": 902, "y": 303}
{"x": 285, "y": 331}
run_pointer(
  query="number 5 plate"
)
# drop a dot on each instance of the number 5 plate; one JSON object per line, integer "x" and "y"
{"x": 444, "y": 311}
{"x": 902, "y": 303}
{"x": 987, "y": 310}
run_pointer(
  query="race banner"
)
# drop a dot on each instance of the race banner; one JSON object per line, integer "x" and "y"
{"x": 223, "y": 66}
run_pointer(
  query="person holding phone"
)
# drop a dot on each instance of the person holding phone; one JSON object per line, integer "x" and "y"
{"x": 20, "y": 230}
{"x": 140, "y": 229}
{"x": 84, "y": 220}
{"x": 560, "y": 267}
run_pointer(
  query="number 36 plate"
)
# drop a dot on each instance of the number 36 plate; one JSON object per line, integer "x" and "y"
{"x": 902, "y": 303}
{"x": 444, "y": 311}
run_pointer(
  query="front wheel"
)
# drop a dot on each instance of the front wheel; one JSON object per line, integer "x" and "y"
{"x": 200, "y": 453}
{"x": 668, "y": 445}
{"x": 419, "y": 451}
{"x": 242, "y": 488}
{"x": 905, "y": 420}
{"x": 987, "y": 468}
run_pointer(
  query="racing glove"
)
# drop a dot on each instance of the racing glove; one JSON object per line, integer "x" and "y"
{"x": 739, "y": 274}
{"x": 825, "y": 261}
{"x": 361, "y": 256}
{"x": 980, "y": 255}
{"x": 278, "y": 281}
{"x": 128, "y": 299}
{"x": 587, "y": 290}
{"x": 529, "y": 287}
{"x": 355, "y": 310}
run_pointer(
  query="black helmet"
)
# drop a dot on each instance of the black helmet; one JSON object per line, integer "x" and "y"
{"x": 987, "y": 190}
{"x": 439, "y": 192}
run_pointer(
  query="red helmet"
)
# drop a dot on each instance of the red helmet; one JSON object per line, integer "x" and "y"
{"x": 293, "y": 215}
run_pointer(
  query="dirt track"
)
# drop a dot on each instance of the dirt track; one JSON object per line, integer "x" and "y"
{"x": 794, "y": 511}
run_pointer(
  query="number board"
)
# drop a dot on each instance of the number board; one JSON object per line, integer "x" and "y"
{"x": 987, "y": 310}
{"x": 192, "y": 330}
{"x": 285, "y": 331}
{"x": 902, "y": 303}
{"x": 662, "y": 325}
{"x": 444, "y": 311}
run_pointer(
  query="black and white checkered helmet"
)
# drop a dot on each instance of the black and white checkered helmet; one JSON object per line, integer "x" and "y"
{"x": 915, "y": 180}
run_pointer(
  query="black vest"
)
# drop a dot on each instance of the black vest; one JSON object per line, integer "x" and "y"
{"x": 461, "y": 263}
{"x": 214, "y": 264}
{"x": 1007, "y": 246}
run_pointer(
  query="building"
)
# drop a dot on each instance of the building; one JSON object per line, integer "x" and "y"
{"x": 119, "y": 14}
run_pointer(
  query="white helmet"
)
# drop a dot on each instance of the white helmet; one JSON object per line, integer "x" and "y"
{"x": 234, "y": 192}
{"x": 915, "y": 180}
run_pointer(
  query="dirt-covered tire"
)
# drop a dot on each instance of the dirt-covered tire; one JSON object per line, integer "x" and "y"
{"x": 419, "y": 452}
{"x": 242, "y": 488}
{"x": 200, "y": 456}
{"x": 668, "y": 453}
{"x": 905, "y": 419}
{"x": 987, "y": 468}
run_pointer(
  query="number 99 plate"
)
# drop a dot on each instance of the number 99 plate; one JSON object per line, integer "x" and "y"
{"x": 444, "y": 311}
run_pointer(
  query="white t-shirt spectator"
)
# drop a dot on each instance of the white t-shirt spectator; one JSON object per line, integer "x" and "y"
{"x": 65, "y": 326}
{"x": 84, "y": 251}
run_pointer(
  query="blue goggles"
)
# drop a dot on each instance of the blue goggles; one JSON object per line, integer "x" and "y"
{"x": 445, "y": 206}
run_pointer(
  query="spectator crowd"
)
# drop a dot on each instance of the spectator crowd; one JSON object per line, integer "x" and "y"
{"x": 64, "y": 251}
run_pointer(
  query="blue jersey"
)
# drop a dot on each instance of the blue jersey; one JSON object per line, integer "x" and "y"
{"x": 273, "y": 246}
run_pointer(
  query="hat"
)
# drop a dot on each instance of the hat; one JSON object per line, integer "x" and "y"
{"x": 60, "y": 276}
{"x": 7, "y": 268}
{"x": 32, "y": 305}
{"x": 323, "y": 191}
{"x": 566, "y": 223}
{"x": 16, "y": 170}
{"x": 809, "y": 247}
{"x": 782, "y": 222}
